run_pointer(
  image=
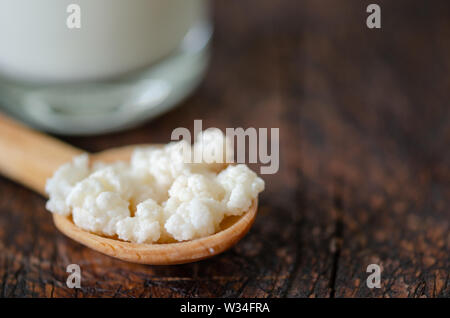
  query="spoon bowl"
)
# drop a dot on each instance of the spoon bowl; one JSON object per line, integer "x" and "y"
{"x": 166, "y": 253}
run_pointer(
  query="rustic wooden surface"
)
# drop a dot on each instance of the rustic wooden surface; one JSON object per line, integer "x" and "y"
{"x": 364, "y": 120}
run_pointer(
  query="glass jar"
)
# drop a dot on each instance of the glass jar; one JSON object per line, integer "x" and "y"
{"x": 101, "y": 66}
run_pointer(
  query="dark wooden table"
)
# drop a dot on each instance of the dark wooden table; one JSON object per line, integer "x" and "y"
{"x": 364, "y": 122}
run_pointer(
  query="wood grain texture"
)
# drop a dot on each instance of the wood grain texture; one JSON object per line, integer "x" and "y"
{"x": 364, "y": 176}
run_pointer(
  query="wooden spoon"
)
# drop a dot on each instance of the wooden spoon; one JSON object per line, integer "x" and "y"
{"x": 30, "y": 158}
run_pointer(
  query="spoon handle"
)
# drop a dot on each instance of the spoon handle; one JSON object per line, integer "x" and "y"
{"x": 29, "y": 157}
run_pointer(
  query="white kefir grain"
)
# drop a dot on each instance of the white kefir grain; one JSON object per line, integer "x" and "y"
{"x": 157, "y": 196}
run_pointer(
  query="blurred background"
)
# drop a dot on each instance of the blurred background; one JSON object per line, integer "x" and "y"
{"x": 364, "y": 176}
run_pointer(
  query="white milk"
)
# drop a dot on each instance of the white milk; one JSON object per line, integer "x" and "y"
{"x": 116, "y": 37}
